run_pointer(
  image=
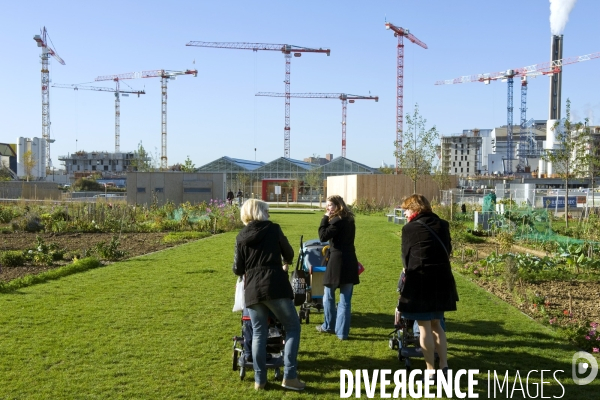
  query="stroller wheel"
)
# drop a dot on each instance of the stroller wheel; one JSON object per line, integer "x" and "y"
{"x": 235, "y": 360}
{"x": 278, "y": 373}
{"x": 242, "y": 373}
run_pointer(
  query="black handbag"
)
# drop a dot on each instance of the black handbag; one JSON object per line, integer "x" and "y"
{"x": 298, "y": 282}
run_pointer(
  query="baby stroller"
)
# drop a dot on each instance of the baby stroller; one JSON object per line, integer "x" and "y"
{"x": 242, "y": 346}
{"x": 405, "y": 340}
{"x": 310, "y": 267}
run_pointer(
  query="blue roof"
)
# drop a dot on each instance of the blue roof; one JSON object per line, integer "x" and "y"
{"x": 302, "y": 164}
{"x": 246, "y": 164}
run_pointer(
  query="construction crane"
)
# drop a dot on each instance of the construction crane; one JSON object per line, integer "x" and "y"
{"x": 345, "y": 98}
{"x": 117, "y": 93}
{"x": 287, "y": 50}
{"x": 548, "y": 68}
{"x": 401, "y": 33}
{"x": 165, "y": 75}
{"x": 42, "y": 41}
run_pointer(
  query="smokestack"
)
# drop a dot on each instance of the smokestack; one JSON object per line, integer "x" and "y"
{"x": 556, "y": 53}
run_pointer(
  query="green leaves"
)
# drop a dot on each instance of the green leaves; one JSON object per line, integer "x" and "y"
{"x": 418, "y": 151}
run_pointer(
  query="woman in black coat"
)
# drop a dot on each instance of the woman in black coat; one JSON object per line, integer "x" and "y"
{"x": 337, "y": 227}
{"x": 260, "y": 248}
{"x": 429, "y": 288}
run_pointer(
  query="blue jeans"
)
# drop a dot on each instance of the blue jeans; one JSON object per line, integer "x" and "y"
{"x": 338, "y": 321}
{"x": 286, "y": 313}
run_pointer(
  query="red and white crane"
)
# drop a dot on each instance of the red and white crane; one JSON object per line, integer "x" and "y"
{"x": 165, "y": 75}
{"x": 42, "y": 41}
{"x": 117, "y": 93}
{"x": 548, "y": 68}
{"x": 401, "y": 33}
{"x": 287, "y": 50}
{"x": 345, "y": 98}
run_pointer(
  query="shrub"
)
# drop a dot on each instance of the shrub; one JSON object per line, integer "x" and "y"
{"x": 12, "y": 258}
{"x": 6, "y": 215}
{"x": 110, "y": 251}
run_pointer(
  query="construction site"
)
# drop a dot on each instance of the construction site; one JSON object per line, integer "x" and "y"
{"x": 478, "y": 159}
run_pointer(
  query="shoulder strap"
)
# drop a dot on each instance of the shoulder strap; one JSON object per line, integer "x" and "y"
{"x": 435, "y": 235}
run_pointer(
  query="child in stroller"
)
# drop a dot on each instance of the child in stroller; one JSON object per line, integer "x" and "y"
{"x": 242, "y": 346}
{"x": 312, "y": 261}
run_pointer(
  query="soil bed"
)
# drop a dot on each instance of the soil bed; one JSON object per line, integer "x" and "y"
{"x": 578, "y": 297}
{"x": 75, "y": 244}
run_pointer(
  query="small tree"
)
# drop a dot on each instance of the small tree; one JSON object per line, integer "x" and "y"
{"x": 573, "y": 143}
{"x": 188, "y": 166}
{"x": 291, "y": 185}
{"x": 314, "y": 179}
{"x": 441, "y": 177}
{"x": 5, "y": 174}
{"x": 590, "y": 159}
{"x": 141, "y": 162}
{"x": 387, "y": 170}
{"x": 243, "y": 181}
{"x": 418, "y": 152}
{"x": 29, "y": 163}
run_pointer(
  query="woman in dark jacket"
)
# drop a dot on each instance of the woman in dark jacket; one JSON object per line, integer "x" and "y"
{"x": 337, "y": 227}
{"x": 260, "y": 248}
{"x": 429, "y": 288}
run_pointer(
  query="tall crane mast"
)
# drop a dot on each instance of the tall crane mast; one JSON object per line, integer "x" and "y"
{"x": 401, "y": 33}
{"x": 287, "y": 50}
{"x": 165, "y": 75}
{"x": 42, "y": 41}
{"x": 117, "y": 93}
{"x": 345, "y": 98}
{"x": 548, "y": 68}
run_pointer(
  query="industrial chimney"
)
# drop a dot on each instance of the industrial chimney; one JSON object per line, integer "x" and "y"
{"x": 556, "y": 53}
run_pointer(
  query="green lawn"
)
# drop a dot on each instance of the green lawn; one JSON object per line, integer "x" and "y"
{"x": 160, "y": 327}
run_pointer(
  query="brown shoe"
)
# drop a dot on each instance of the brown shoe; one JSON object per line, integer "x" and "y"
{"x": 293, "y": 384}
{"x": 258, "y": 386}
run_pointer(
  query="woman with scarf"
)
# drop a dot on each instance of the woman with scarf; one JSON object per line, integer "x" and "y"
{"x": 428, "y": 289}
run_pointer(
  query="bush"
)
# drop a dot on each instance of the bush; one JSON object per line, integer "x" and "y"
{"x": 6, "y": 215}
{"x": 12, "y": 258}
{"x": 110, "y": 251}
{"x": 85, "y": 185}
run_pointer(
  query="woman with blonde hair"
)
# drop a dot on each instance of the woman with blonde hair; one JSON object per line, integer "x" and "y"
{"x": 260, "y": 248}
{"x": 337, "y": 227}
{"x": 428, "y": 288}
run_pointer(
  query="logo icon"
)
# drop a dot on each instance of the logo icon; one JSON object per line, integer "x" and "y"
{"x": 580, "y": 368}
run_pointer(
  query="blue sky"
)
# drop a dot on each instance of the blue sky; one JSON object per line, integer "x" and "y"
{"x": 217, "y": 114}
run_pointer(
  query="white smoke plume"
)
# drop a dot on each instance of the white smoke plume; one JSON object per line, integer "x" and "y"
{"x": 559, "y": 15}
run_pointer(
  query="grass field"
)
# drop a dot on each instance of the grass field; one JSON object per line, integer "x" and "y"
{"x": 160, "y": 327}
